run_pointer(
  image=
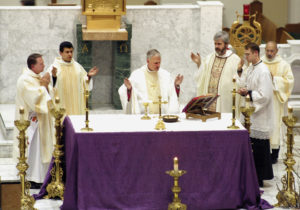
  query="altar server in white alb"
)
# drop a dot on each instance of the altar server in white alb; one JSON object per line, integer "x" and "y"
{"x": 34, "y": 94}
{"x": 216, "y": 72}
{"x": 256, "y": 81}
{"x": 70, "y": 80}
{"x": 146, "y": 84}
{"x": 283, "y": 81}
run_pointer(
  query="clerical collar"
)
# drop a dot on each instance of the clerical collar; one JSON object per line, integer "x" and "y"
{"x": 148, "y": 70}
{"x": 257, "y": 63}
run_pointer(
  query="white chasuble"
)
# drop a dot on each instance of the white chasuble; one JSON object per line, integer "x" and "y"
{"x": 70, "y": 85}
{"x": 140, "y": 93}
{"x": 35, "y": 98}
{"x": 215, "y": 76}
{"x": 283, "y": 81}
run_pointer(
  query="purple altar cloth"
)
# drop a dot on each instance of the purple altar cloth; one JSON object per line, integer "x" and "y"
{"x": 127, "y": 170}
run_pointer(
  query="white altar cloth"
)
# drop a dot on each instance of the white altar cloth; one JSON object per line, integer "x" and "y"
{"x": 133, "y": 123}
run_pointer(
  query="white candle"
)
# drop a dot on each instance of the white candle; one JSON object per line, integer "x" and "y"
{"x": 175, "y": 164}
{"x": 21, "y": 114}
{"x": 290, "y": 113}
{"x": 247, "y": 101}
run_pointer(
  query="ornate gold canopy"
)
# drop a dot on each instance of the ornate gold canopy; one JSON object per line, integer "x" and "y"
{"x": 243, "y": 33}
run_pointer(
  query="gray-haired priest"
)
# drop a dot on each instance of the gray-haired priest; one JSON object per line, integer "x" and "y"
{"x": 146, "y": 84}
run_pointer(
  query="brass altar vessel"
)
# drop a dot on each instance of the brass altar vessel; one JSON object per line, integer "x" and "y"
{"x": 176, "y": 173}
{"x": 146, "y": 116}
{"x": 288, "y": 197}
{"x": 87, "y": 128}
{"x": 56, "y": 188}
{"x": 233, "y": 126}
{"x": 27, "y": 201}
{"x": 247, "y": 111}
{"x": 160, "y": 124}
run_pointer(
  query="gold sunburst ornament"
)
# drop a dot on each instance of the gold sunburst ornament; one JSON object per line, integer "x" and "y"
{"x": 243, "y": 33}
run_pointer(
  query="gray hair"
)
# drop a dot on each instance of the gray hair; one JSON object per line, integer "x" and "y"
{"x": 222, "y": 35}
{"x": 152, "y": 52}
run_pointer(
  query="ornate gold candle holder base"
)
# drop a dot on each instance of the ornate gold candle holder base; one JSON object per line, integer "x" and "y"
{"x": 288, "y": 197}
{"x": 87, "y": 128}
{"x": 247, "y": 112}
{"x": 160, "y": 125}
{"x": 55, "y": 189}
{"x": 27, "y": 202}
{"x": 176, "y": 204}
{"x": 233, "y": 126}
{"x": 145, "y": 117}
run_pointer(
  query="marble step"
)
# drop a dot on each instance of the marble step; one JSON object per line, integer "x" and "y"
{"x": 7, "y": 117}
{"x": 6, "y": 148}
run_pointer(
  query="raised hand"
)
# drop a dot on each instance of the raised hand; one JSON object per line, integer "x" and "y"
{"x": 196, "y": 59}
{"x": 93, "y": 71}
{"x": 178, "y": 80}
{"x": 45, "y": 80}
{"x": 127, "y": 83}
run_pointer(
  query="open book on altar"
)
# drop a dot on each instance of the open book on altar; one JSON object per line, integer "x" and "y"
{"x": 198, "y": 107}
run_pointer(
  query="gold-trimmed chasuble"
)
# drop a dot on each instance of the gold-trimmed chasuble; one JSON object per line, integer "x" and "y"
{"x": 153, "y": 89}
{"x": 215, "y": 76}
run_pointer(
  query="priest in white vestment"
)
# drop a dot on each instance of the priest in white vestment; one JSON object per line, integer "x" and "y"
{"x": 283, "y": 82}
{"x": 146, "y": 84}
{"x": 256, "y": 82}
{"x": 70, "y": 80}
{"x": 34, "y": 95}
{"x": 216, "y": 73}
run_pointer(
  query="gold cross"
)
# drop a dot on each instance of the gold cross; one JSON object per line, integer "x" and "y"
{"x": 159, "y": 102}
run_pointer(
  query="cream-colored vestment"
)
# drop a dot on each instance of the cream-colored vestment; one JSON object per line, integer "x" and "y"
{"x": 215, "y": 76}
{"x": 70, "y": 85}
{"x": 283, "y": 82}
{"x": 146, "y": 87}
{"x": 36, "y": 101}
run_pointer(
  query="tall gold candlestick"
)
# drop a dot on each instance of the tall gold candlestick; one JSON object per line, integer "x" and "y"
{"x": 288, "y": 197}
{"x": 176, "y": 173}
{"x": 233, "y": 126}
{"x": 87, "y": 128}
{"x": 56, "y": 187}
{"x": 27, "y": 201}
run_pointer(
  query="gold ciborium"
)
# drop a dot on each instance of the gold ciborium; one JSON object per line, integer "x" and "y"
{"x": 176, "y": 173}
{"x": 288, "y": 197}
{"x": 233, "y": 126}
{"x": 27, "y": 201}
{"x": 87, "y": 128}
{"x": 56, "y": 188}
{"x": 146, "y": 116}
{"x": 247, "y": 111}
{"x": 160, "y": 125}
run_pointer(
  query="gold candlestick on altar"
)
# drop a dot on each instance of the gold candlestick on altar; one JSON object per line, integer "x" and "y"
{"x": 247, "y": 111}
{"x": 27, "y": 201}
{"x": 160, "y": 125}
{"x": 56, "y": 188}
{"x": 146, "y": 117}
{"x": 176, "y": 173}
{"x": 233, "y": 126}
{"x": 86, "y": 95}
{"x": 288, "y": 197}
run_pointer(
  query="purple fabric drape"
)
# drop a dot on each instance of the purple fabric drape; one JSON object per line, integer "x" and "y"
{"x": 127, "y": 170}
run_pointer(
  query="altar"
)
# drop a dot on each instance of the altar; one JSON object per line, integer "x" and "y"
{"x": 122, "y": 164}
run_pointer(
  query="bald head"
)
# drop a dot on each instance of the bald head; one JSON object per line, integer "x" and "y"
{"x": 271, "y": 50}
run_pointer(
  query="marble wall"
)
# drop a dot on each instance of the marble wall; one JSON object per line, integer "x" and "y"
{"x": 175, "y": 30}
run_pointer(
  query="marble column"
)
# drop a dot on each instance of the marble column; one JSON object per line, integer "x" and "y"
{"x": 122, "y": 56}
